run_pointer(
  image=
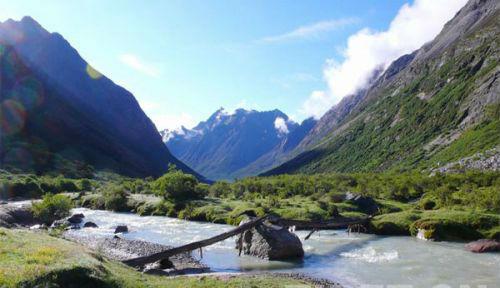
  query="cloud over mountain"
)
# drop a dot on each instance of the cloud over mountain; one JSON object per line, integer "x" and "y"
{"x": 367, "y": 50}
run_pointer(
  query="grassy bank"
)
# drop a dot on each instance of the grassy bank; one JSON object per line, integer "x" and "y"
{"x": 29, "y": 259}
{"x": 450, "y": 206}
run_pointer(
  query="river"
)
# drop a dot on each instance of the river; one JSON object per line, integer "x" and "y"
{"x": 353, "y": 260}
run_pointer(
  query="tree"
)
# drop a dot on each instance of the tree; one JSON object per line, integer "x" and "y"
{"x": 176, "y": 185}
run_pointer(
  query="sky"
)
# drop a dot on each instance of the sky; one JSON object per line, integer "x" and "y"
{"x": 185, "y": 59}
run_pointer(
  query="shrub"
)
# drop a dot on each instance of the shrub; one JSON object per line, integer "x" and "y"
{"x": 165, "y": 208}
{"x": 427, "y": 204}
{"x": 64, "y": 185}
{"x": 176, "y": 185}
{"x": 202, "y": 190}
{"x": 26, "y": 187}
{"x": 115, "y": 198}
{"x": 51, "y": 208}
{"x": 85, "y": 185}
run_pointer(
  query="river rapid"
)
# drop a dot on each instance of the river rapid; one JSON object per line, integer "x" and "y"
{"x": 354, "y": 260}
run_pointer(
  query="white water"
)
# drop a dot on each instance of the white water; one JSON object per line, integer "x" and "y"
{"x": 353, "y": 260}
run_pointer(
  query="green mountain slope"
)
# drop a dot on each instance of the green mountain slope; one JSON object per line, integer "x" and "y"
{"x": 441, "y": 106}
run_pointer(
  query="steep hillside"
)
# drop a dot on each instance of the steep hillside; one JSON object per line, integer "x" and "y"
{"x": 57, "y": 111}
{"x": 437, "y": 105}
{"x": 227, "y": 145}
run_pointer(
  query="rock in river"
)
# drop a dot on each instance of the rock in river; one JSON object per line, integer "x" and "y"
{"x": 76, "y": 218}
{"x": 483, "y": 245}
{"x": 121, "y": 229}
{"x": 12, "y": 215}
{"x": 90, "y": 225}
{"x": 271, "y": 242}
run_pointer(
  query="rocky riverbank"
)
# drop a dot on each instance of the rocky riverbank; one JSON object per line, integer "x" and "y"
{"x": 16, "y": 214}
{"x": 36, "y": 259}
{"x": 120, "y": 249}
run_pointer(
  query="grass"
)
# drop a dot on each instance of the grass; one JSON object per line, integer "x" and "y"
{"x": 444, "y": 224}
{"x": 30, "y": 259}
{"x": 397, "y": 223}
{"x": 229, "y": 211}
{"x": 472, "y": 141}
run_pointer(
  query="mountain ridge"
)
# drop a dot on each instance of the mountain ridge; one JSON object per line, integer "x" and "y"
{"x": 439, "y": 95}
{"x": 231, "y": 145}
{"x": 133, "y": 145}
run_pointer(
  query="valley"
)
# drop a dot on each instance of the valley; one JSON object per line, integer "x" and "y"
{"x": 397, "y": 183}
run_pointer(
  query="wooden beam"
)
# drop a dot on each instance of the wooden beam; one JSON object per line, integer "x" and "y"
{"x": 141, "y": 261}
{"x": 338, "y": 223}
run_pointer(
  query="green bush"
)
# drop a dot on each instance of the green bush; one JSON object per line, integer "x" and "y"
{"x": 176, "y": 185}
{"x": 427, "y": 204}
{"x": 51, "y": 208}
{"x": 165, "y": 208}
{"x": 25, "y": 188}
{"x": 115, "y": 198}
{"x": 85, "y": 185}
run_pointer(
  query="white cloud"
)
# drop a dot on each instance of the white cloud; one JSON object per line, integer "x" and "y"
{"x": 310, "y": 31}
{"x": 316, "y": 105}
{"x": 139, "y": 65}
{"x": 173, "y": 121}
{"x": 413, "y": 26}
{"x": 288, "y": 81}
{"x": 280, "y": 125}
{"x": 243, "y": 104}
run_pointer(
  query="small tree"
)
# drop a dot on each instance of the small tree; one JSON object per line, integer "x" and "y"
{"x": 176, "y": 185}
{"x": 115, "y": 198}
{"x": 51, "y": 208}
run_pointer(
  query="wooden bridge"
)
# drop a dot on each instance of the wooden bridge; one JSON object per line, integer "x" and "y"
{"x": 338, "y": 223}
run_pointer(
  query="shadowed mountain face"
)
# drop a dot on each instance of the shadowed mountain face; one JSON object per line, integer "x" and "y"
{"x": 436, "y": 105}
{"x": 236, "y": 145}
{"x": 57, "y": 111}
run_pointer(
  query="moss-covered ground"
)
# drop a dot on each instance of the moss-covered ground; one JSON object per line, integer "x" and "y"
{"x": 35, "y": 259}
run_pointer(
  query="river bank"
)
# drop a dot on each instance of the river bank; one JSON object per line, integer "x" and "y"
{"x": 29, "y": 259}
{"x": 391, "y": 218}
{"x": 350, "y": 259}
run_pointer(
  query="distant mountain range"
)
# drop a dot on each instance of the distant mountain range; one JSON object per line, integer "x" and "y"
{"x": 436, "y": 105}
{"x": 239, "y": 144}
{"x": 59, "y": 114}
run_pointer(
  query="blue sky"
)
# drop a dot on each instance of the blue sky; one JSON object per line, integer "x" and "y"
{"x": 185, "y": 59}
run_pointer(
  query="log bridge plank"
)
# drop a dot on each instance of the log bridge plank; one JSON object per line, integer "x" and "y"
{"x": 140, "y": 261}
{"x": 302, "y": 225}
{"x": 339, "y": 223}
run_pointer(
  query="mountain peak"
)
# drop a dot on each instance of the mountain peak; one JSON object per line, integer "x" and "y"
{"x": 28, "y": 20}
{"x": 17, "y": 31}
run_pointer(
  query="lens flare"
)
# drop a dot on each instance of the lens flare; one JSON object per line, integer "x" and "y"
{"x": 13, "y": 33}
{"x": 19, "y": 157}
{"x": 94, "y": 74}
{"x": 29, "y": 92}
{"x": 11, "y": 64}
{"x": 12, "y": 116}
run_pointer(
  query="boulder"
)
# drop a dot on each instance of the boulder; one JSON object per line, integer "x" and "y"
{"x": 483, "y": 245}
{"x": 121, "y": 229}
{"x": 365, "y": 204}
{"x": 271, "y": 242}
{"x": 11, "y": 215}
{"x": 76, "y": 218}
{"x": 90, "y": 225}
